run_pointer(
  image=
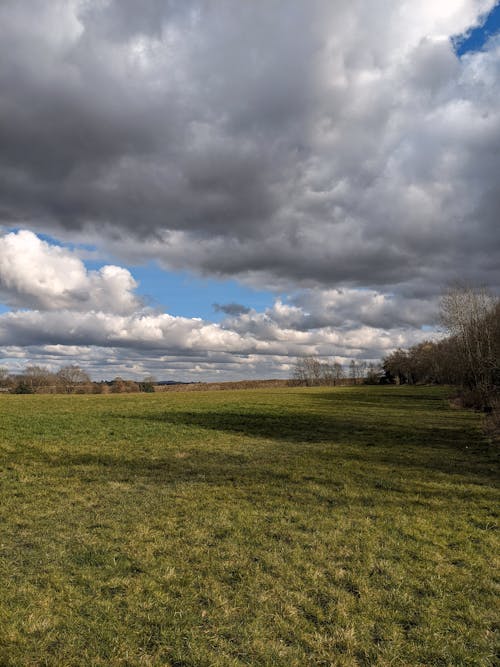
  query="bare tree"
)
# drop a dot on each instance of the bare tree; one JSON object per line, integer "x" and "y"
{"x": 312, "y": 371}
{"x": 373, "y": 373}
{"x": 71, "y": 377}
{"x": 307, "y": 371}
{"x": 37, "y": 377}
{"x": 470, "y": 316}
{"x": 338, "y": 372}
{"x": 357, "y": 370}
{"x": 5, "y": 380}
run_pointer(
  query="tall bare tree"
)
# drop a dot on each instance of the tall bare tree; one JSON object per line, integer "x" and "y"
{"x": 470, "y": 316}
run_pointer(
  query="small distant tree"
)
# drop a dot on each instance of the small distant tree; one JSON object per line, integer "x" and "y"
{"x": 5, "y": 379}
{"x": 71, "y": 378}
{"x": 148, "y": 384}
{"x": 117, "y": 385}
{"x": 312, "y": 372}
{"x": 373, "y": 374}
{"x": 37, "y": 377}
{"x": 307, "y": 371}
{"x": 131, "y": 386}
{"x": 337, "y": 372}
{"x": 355, "y": 370}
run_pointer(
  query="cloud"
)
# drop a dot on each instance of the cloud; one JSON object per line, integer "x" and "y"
{"x": 328, "y": 324}
{"x": 340, "y": 153}
{"x": 65, "y": 307}
{"x": 107, "y": 345}
{"x": 142, "y": 331}
{"x": 230, "y": 308}
{"x": 313, "y": 144}
{"x": 347, "y": 308}
{"x": 35, "y": 274}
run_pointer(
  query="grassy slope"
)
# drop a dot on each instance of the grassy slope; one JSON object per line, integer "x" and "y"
{"x": 352, "y": 526}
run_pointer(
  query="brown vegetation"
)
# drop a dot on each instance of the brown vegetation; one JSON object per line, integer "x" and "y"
{"x": 68, "y": 380}
{"x": 468, "y": 358}
{"x": 241, "y": 384}
{"x": 221, "y": 386}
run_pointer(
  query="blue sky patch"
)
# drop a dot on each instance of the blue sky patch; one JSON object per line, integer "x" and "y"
{"x": 476, "y": 38}
{"x": 185, "y": 295}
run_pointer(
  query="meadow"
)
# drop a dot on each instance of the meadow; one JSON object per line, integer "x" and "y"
{"x": 273, "y": 527}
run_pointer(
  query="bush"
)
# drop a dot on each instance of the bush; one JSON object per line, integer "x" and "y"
{"x": 476, "y": 399}
{"x": 23, "y": 388}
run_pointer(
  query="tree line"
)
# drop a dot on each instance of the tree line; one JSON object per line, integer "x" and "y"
{"x": 70, "y": 379}
{"x": 468, "y": 357}
{"x": 314, "y": 371}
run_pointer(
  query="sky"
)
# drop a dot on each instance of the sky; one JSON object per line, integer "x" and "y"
{"x": 207, "y": 190}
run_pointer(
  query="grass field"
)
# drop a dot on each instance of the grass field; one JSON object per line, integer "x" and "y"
{"x": 285, "y": 527}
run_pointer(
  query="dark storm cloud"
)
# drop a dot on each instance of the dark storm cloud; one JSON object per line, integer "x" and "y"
{"x": 306, "y": 143}
{"x": 157, "y": 133}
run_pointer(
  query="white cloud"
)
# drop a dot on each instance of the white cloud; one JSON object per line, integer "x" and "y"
{"x": 72, "y": 315}
{"x": 35, "y": 274}
{"x": 265, "y": 341}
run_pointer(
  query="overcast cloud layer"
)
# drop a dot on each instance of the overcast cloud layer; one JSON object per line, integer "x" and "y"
{"x": 340, "y": 152}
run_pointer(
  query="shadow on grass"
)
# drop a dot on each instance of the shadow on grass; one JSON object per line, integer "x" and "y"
{"x": 405, "y": 398}
{"x": 303, "y": 428}
{"x": 286, "y": 444}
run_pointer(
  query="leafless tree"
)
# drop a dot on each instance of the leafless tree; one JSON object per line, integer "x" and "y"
{"x": 373, "y": 373}
{"x": 37, "y": 377}
{"x": 337, "y": 372}
{"x": 306, "y": 371}
{"x": 357, "y": 370}
{"x": 312, "y": 371}
{"x": 71, "y": 377}
{"x": 5, "y": 379}
{"x": 470, "y": 316}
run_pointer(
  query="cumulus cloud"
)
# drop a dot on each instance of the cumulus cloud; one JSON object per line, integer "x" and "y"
{"x": 347, "y": 308}
{"x": 63, "y": 308}
{"x": 149, "y": 331}
{"x": 35, "y": 274}
{"x": 312, "y": 143}
{"x": 70, "y": 314}
{"x": 160, "y": 341}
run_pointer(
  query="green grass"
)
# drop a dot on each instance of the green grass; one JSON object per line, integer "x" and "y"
{"x": 295, "y": 527}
